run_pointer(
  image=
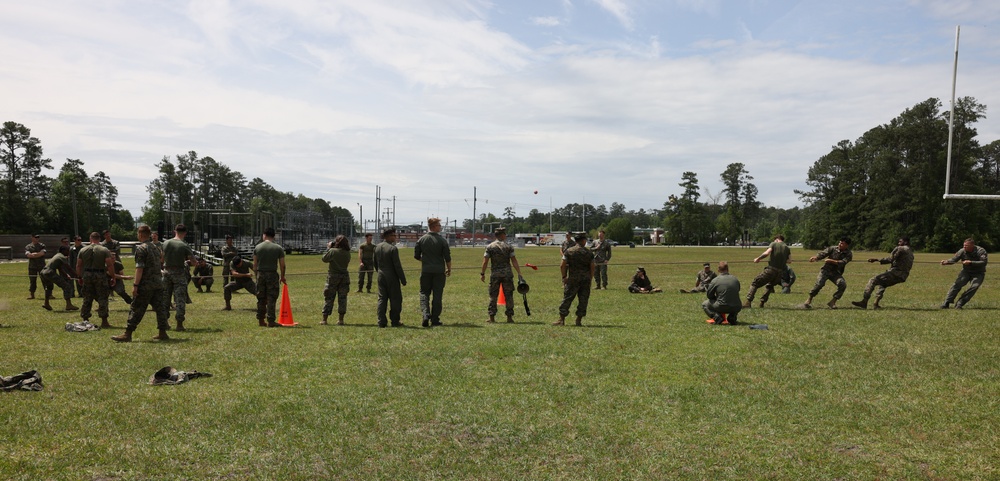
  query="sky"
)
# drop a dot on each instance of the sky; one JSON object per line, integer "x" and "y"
{"x": 436, "y": 102}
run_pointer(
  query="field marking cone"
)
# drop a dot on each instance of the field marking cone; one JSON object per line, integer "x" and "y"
{"x": 285, "y": 316}
{"x": 502, "y": 300}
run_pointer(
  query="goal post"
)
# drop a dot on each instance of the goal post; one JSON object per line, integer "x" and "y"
{"x": 951, "y": 132}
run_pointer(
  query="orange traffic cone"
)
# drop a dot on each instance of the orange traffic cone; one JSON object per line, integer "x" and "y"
{"x": 285, "y": 316}
{"x": 502, "y": 300}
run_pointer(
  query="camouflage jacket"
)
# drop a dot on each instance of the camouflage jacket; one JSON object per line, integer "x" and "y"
{"x": 833, "y": 252}
{"x": 499, "y": 253}
{"x": 579, "y": 263}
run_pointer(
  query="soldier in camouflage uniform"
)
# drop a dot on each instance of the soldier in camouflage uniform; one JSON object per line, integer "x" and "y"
{"x": 500, "y": 255}
{"x": 602, "y": 255}
{"x": 268, "y": 260}
{"x": 338, "y": 278}
{"x": 119, "y": 277}
{"x": 434, "y": 255}
{"x": 366, "y": 259}
{"x": 59, "y": 272}
{"x": 147, "y": 289}
{"x": 577, "y": 268}
{"x": 97, "y": 272}
{"x": 390, "y": 277}
{"x": 569, "y": 242}
{"x": 203, "y": 275}
{"x": 702, "y": 280}
{"x": 780, "y": 256}
{"x": 229, "y": 251}
{"x": 176, "y": 255}
{"x": 239, "y": 278}
{"x": 901, "y": 259}
{"x": 837, "y": 258}
{"x": 973, "y": 259}
{"x": 35, "y": 252}
{"x": 111, "y": 244}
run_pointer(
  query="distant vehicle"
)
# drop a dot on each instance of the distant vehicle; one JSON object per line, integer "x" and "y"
{"x": 797, "y": 244}
{"x": 614, "y": 243}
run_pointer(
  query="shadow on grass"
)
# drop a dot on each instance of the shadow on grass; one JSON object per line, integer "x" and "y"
{"x": 464, "y": 325}
{"x": 902, "y": 308}
{"x": 151, "y": 341}
{"x": 200, "y": 330}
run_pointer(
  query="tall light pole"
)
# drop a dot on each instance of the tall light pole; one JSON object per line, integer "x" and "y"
{"x": 76, "y": 221}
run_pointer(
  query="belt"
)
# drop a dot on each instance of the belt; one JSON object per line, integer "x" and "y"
{"x": 95, "y": 270}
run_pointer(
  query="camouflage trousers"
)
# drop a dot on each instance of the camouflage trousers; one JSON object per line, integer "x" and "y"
{"x": 337, "y": 286}
{"x": 770, "y": 277}
{"x": 120, "y": 290}
{"x": 206, "y": 283}
{"x": 835, "y": 277}
{"x": 973, "y": 279}
{"x": 880, "y": 282}
{"x": 236, "y": 284}
{"x": 95, "y": 287}
{"x": 33, "y": 279}
{"x": 507, "y": 283}
{"x": 53, "y": 279}
{"x": 175, "y": 286}
{"x": 150, "y": 296}
{"x": 601, "y": 274}
{"x": 268, "y": 291}
{"x": 578, "y": 288}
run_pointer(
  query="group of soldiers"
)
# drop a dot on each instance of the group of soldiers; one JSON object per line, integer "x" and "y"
{"x": 723, "y": 304}
{"x": 161, "y": 274}
{"x": 578, "y": 266}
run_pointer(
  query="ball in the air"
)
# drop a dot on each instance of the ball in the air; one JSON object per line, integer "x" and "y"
{"x": 536, "y": 192}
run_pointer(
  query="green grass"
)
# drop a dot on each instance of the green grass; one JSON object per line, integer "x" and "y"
{"x": 645, "y": 390}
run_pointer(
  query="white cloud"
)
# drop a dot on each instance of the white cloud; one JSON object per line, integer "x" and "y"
{"x": 545, "y": 21}
{"x": 427, "y": 98}
{"x": 619, "y": 9}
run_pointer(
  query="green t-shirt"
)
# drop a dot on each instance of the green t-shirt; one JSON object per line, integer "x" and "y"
{"x": 175, "y": 252}
{"x": 94, "y": 256}
{"x": 779, "y": 255}
{"x": 267, "y": 254}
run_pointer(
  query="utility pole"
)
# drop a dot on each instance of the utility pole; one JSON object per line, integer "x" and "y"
{"x": 76, "y": 220}
{"x": 474, "y": 217}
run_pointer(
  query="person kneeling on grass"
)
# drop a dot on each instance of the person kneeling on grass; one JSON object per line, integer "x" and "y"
{"x": 641, "y": 284}
{"x": 723, "y": 298}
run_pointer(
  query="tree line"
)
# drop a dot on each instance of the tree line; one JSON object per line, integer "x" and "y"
{"x": 886, "y": 184}
{"x": 71, "y": 202}
{"x": 189, "y": 183}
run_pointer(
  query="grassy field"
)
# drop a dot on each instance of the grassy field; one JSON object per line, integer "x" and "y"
{"x": 645, "y": 390}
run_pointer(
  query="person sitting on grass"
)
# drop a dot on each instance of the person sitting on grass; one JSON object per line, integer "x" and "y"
{"x": 701, "y": 281}
{"x": 641, "y": 284}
